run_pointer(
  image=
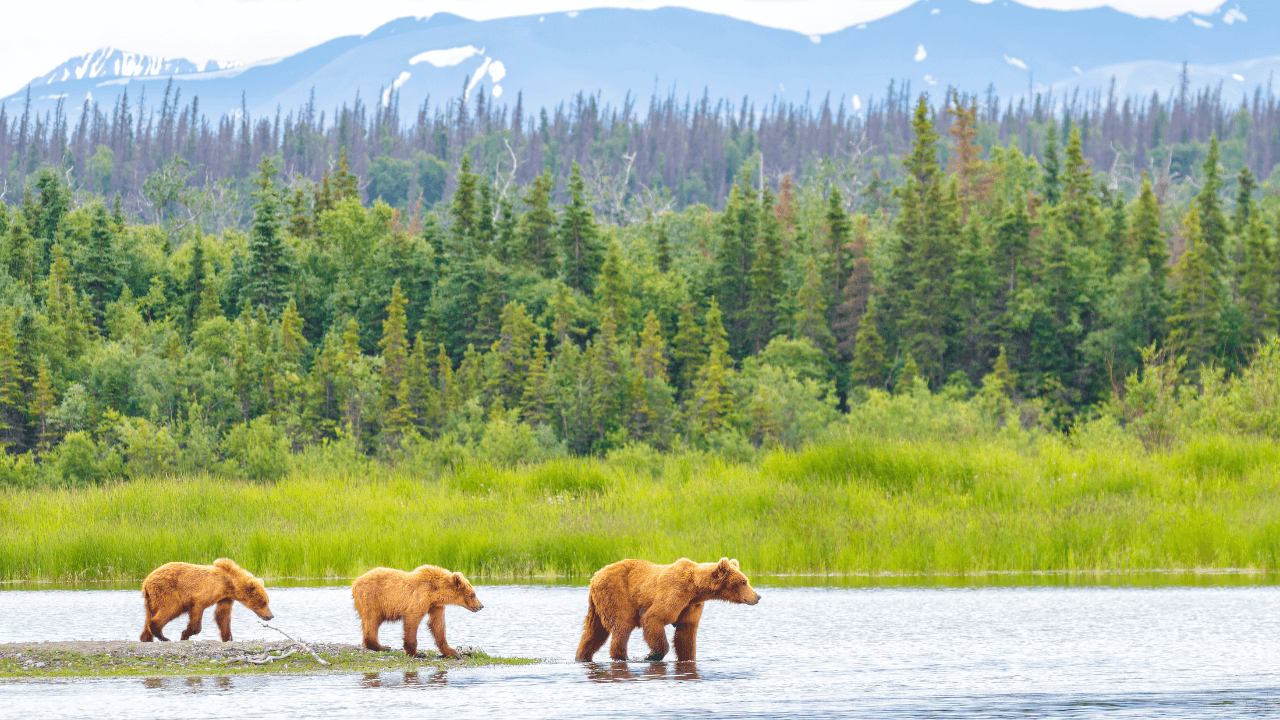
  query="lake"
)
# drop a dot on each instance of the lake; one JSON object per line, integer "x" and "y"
{"x": 803, "y": 651}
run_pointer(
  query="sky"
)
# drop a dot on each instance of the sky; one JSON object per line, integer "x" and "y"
{"x": 252, "y": 30}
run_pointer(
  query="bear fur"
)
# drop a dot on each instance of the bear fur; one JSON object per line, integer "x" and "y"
{"x": 386, "y": 595}
{"x": 177, "y": 587}
{"x": 636, "y": 593}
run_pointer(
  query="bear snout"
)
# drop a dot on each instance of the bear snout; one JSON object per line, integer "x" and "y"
{"x": 266, "y": 614}
{"x": 479, "y": 606}
{"x": 754, "y": 599}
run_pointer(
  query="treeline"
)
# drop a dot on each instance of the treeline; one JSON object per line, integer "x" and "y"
{"x": 505, "y": 323}
{"x": 635, "y": 161}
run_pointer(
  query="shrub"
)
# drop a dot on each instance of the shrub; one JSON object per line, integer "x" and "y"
{"x": 257, "y": 450}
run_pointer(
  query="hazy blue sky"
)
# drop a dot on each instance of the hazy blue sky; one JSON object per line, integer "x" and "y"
{"x": 251, "y": 30}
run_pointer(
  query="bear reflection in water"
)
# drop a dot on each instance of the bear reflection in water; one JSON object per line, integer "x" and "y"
{"x": 412, "y": 678}
{"x": 619, "y": 671}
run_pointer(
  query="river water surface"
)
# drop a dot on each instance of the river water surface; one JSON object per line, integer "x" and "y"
{"x": 803, "y": 651}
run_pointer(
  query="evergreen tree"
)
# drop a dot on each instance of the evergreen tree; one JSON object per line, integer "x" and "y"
{"x": 611, "y": 291}
{"x": 346, "y": 186}
{"x": 1117, "y": 239}
{"x": 301, "y": 224}
{"x": 1213, "y": 224}
{"x": 1052, "y": 168}
{"x": 397, "y": 413}
{"x": 349, "y": 358}
{"x": 43, "y": 403}
{"x": 687, "y": 348}
{"x": 869, "y": 365}
{"x": 462, "y": 211}
{"x": 513, "y": 354}
{"x": 839, "y": 233}
{"x": 1198, "y": 299}
{"x": 538, "y": 392}
{"x": 711, "y": 400}
{"x": 424, "y": 398}
{"x": 196, "y": 281}
{"x": 581, "y": 255}
{"x": 1147, "y": 237}
{"x": 738, "y": 227}
{"x": 538, "y": 224}
{"x": 811, "y": 311}
{"x": 1244, "y": 199}
{"x": 663, "y": 251}
{"x": 12, "y": 406}
{"x": 269, "y": 269}
{"x": 1257, "y": 281}
{"x": 766, "y": 281}
{"x": 99, "y": 277}
{"x": 907, "y": 376}
{"x": 21, "y": 252}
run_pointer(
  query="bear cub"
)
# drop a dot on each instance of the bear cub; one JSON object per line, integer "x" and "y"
{"x": 177, "y": 587}
{"x": 386, "y": 595}
{"x": 636, "y": 593}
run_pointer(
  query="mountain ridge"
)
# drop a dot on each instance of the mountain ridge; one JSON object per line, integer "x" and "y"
{"x": 614, "y": 53}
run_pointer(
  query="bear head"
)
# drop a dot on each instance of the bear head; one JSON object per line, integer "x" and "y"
{"x": 249, "y": 590}
{"x": 729, "y": 584}
{"x": 461, "y": 593}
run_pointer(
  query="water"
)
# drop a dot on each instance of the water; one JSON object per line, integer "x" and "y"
{"x": 816, "y": 652}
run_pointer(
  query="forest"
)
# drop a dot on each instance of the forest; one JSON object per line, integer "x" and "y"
{"x": 225, "y": 299}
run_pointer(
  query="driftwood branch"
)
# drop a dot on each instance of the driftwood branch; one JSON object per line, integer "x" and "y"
{"x": 267, "y": 658}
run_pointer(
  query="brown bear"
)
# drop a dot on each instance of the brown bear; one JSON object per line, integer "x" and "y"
{"x": 632, "y": 593}
{"x": 177, "y": 587}
{"x": 386, "y": 595}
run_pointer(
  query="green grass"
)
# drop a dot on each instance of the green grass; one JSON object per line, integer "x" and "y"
{"x": 63, "y": 663}
{"x": 854, "y": 504}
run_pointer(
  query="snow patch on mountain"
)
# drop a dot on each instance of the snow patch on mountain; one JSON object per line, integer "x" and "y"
{"x": 447, "y": 57}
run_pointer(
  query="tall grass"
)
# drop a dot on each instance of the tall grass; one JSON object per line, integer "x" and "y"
{"x": 853, "y": 504}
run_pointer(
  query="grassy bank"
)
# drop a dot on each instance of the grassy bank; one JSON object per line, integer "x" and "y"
{"x": 35, "y": 662}
{"x": 854, "y": 504}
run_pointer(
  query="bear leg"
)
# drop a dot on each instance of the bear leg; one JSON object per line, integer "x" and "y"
{"x": 655, "y": 634}
{"x": 594, "y": 633}
{"x": 436, "y": 623}
{"x": 686, "y": 635}
{"x": 411, "y": 623}
{"x": 222, "y": 616}
{"x": 155, "y": 627}
{"x": 621, "y": 635}
{"x": 195, "y": 620}
{"x": 369, "y": 628}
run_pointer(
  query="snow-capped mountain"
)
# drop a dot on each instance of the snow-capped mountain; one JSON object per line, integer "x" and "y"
{"x": 549, "y": 58}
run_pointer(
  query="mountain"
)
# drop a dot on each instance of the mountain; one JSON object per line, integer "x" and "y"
{"x": 549, "y": 58}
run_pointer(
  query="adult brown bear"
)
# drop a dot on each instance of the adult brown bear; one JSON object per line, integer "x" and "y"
{"x": 636, "y": 593}
{"x": 386, "y": 595}
{"x": 177, "y": 587}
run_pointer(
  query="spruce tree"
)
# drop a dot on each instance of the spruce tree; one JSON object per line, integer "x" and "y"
{"x": 1198, "y": 298}
{"x": 1049, "y": 177}
{"x": 711, "y": 398}
{"x": 43, "y": 403}
{"x": 611, "y": 289}
{"x": 907, "y": 375}
{"x": 195, "y": 281}
{"x": 536, "y": 400}
{"x": 1244, "y": 199}
{"x": 21, "y": 252}
{"x": 581, "y": 255}
{"x": 869, "y": 366}
{"x": 346, "y": 186}
{"x": 687, "y": 347}
{"x": 663, "y": 250}
{"x": 1147, "y": 238}
{"x": 811, "y": 311}
{"x": 1257, "y": 282}
{"x": 1213, "y": 224}
{"x": 538, "y": 224}
{"x": 12, "y": 405}
{"x": 462, "y": 211}
{"x": 98, "y": 276}
{"x": 767, "y": 284}
{"x": 397, "y": 414}
{"x": 738, "y": 227}
{"x": 349, "y": 357}
{"x": 512, "y": 354}
{"x": 839, "y": 234}
{"x": 269, "y": 270}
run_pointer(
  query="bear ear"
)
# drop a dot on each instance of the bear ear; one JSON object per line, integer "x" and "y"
{"x": 734, "y": 562}
{"x": 457, "y": 579}
{"x": 722, "y": 568}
